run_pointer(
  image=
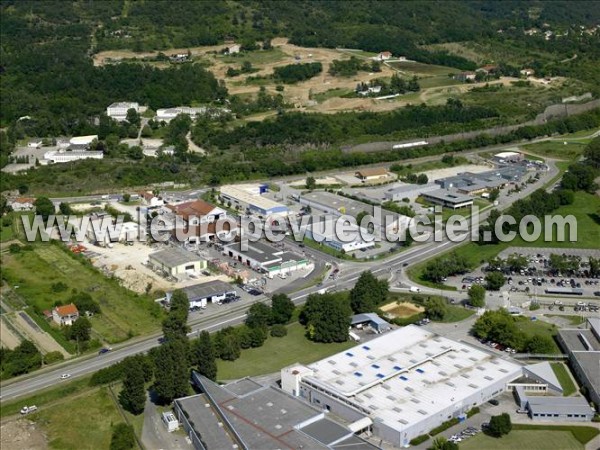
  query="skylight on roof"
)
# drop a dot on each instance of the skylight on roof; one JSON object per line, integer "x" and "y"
{"x": 403, "y": 378}
{"x": 349, "y": 354}
{"x": 380, "y": 375}
{"x": 374, "y": 366}
{"x": 366, "y": 347}
{"x": 420, "y": 371}
{"x": 357, "y": 374}
{"x": 397, "y": 368}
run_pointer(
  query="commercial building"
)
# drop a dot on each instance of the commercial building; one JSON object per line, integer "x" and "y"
{"x": 508, "y": 157}
{"x": 265, "y": 258}
{"x": 555, "y": 408}
{"x": 118, "y": 110}
{"x": 372, "y": 174}
{"x": 410, "y": 191}
{"x": 325, "y": 233}
{"x": 403, "y": 383}
{"x": 249, "y": 198}
{"x": 201, "y": 294}
{"x": 198, "y": 212}
{"x": 371, "y": 320}
{"x": 168, "y": 114}
{"x": 583, "y": 348}
{"x": 176, "y": 261}
{"x": 477, "y": 183}
{"x": 248, "y": 415}
{"x": 448, "y": 198}
{"x": 338, "y": 205}
{"x": 83, "y": 140}
{"x": 64, "y": 156}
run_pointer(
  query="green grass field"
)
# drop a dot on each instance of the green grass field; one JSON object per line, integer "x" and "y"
{"x": 556, "y": 149}
{"x": 277, "y": 353}
{"x": 533, "y": 327}
{"x": 258, "y": 57}
{"x": 124, "y": 313}
{"x": 529, "y": 440}
{"x": 331, "y": 93}
{"x": 420, "y": 69}
{"x": 457, "y": 314}
{"x": 437, "y": 81}
{"x": 81, "y": 423}
{"x": 565, "y": 380}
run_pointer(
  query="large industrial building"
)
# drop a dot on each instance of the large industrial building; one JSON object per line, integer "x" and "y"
{"x": 265, "y": 258}
{"x": 448, "y": 198}
{"x": 583, "y": 348}
{"x": 402, "y": 384}
{"x": 199, "y": 295}
{"x": 477, "y": 183}
{"x": 118, "y": 110}
{"x": 250, "y": 416}
{"x": 249, "y": 197}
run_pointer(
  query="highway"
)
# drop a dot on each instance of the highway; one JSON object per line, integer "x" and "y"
{"x": 78, "y": 368}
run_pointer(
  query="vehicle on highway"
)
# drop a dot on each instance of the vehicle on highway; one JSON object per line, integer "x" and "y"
{"x": 104, "y": 350}
{"x": 64, "y": 376}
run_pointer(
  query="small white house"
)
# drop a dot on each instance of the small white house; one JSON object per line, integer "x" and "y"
{"x": 83, "y": 140}
{"x": 35, "y": 143}
{"x": 383, "y": 56}
{"x": 234, "y": 49}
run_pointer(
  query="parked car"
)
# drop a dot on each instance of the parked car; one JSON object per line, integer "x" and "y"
{"x": 28, "y": 409}
{"x": 494, "y": 402}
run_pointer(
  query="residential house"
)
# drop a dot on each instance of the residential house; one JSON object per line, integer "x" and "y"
{"x": 23, "y": 204}
{"x": 383, "y": 56}
{"x": 149, "y": 199}
{"x": 465, "y": 76}
{"x": 65, "y": 315}
{"x": 233, "y": 49}
{"x": 488, "y": 68}
{"x": 527, "y": 72}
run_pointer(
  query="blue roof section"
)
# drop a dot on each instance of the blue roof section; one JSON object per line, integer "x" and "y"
{"x": 368, "y": 317}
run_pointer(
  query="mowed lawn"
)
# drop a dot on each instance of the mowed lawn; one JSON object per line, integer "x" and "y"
{"x": 565, "y": 380}
{"x": 524, "y": 439}
{"x": 124, "y": 313}
{"x": 556, "y": 149}
{"x": 80, "y": 423}
{"x": 277, "y": 353}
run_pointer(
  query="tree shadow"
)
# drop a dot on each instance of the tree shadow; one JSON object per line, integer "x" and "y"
{"x": 595, "y": 217}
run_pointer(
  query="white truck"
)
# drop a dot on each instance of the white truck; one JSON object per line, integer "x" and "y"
{"x": 414, "y": 289}
{"x": 28, "y": 409}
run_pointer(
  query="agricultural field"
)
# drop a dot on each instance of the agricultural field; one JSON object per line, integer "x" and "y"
{"x": 124, "y": 314}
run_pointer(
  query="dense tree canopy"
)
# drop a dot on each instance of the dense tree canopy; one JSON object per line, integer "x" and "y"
{"x": 368, "y": 293}
{"x": 327, "y": 317}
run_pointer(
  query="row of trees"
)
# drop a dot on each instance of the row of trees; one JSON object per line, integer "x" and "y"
{"x": 22, "y": 359}
{"x": 349, "y": 67}
{"x": 447, "y": 265}
{"x": 294, "y": 73}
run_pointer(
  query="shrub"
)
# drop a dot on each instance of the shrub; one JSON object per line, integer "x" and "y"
{"x": 278, "y": 330}
{"x": 123, "y": 437}
{"x": 473, "y": 411}
{"x": 444, "y": 426}
{"x": 419, "y": 439}
{"x": 52, "y": 357}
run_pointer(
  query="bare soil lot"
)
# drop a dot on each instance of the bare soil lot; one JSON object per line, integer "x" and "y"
{"x": 402, "y": 310}
{"x": 22, "y": 434}
{"x": 8, "y": 338}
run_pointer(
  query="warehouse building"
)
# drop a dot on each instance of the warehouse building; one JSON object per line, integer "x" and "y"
{"x": 410, "y": 191}
{"x": 371, "y": 320}
{"x": 249, "y": 198}
{"x": 324, "y": 232}
{"x": 583, "y": 348}
{"x": 176, "y": 261}
{"x": 372, "y": 174}
{"x": 503, "y": 157}
{"x": 448, "y": 198}
{"x": 555, "y": 408}
{"x": 248, "y": 415}
{"x": 118, "y": 110}
{"x": 401, "y": 384}
{"x": 265, "y": 258}
{"x": 477, "y": 183}
{"x": 201, "y": 294}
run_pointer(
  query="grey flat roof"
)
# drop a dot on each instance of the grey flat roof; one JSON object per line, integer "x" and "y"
{"x": 590, "y": 364}
{"x": 205, "y": 290}
{"x": 573, "y": 339}
{"x": 559, "y": 405}
{"x": 243, "y": 386}
{"x": 326, "y": 431}
{"x": 206, "y": 422}
{"x": 174, "y": 256}
{"x": 448, "y": 196}
{"x": 257, "y": 251}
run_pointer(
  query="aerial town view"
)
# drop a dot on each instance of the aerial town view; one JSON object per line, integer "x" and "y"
{"x": 300, "y": 224}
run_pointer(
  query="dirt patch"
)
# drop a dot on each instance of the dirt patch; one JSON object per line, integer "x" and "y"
{"x": 401, "y": 310}
{"x": 22, "y": 434}
{"x": 8, "y": 338}
{"x": 42, "y": 340}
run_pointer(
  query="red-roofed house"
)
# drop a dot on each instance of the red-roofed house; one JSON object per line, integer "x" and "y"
{"x": 65, "y": 315}
{"x": 220, "y": 230}
{"x": 383, "y": 56}
{"x": 149, "y": 199}
{"x": 23, "y": 204}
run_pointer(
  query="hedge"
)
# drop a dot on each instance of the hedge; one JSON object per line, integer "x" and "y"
{"x": 473, "y": 411}
{"x": 444, "y": 426}
{"x": 419, "y": 439}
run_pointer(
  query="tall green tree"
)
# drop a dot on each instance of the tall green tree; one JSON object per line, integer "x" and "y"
{"x": 494, "y": 281}
{"x": 259, "y": 316}
{"x": 203, "y": 355}
{"x": 44, "y": 207}
{"x": 133, "y": 395}
{"x": 282, "y": 308}
{"x": 171, "y": 370}
{"x": 477, "y": 296}
{"x": 175, "y": 324}
{"x": 327, "y": 317}
{"x": 368, "y": 293}
{"x": 500, "y": 425}
{"x": 436, "y": 308}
